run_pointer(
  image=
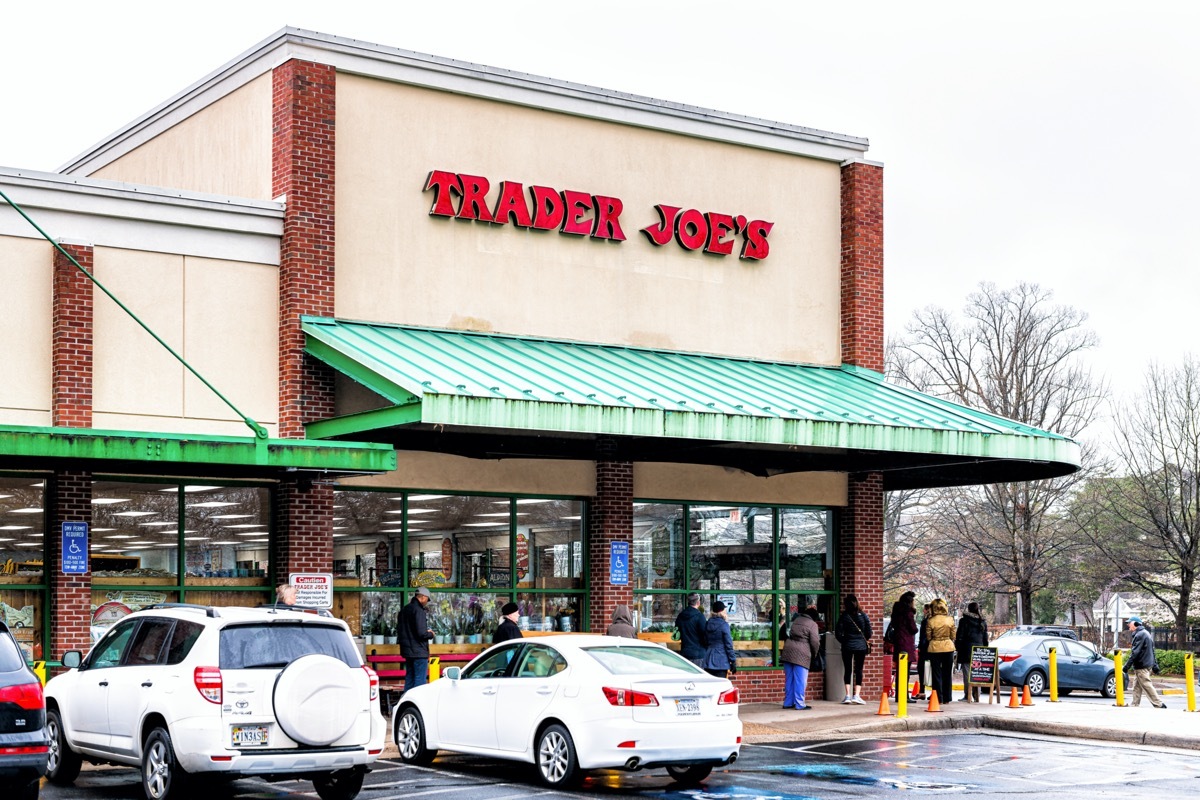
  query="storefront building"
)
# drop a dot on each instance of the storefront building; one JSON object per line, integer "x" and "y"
{"x": 418, "y": 322}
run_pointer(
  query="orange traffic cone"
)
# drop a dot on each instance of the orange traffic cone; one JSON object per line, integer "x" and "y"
{"x": 885, "y": 708}
{"x": 1026, "y": 700}
{"x": 934, "y": 705}
{"x": 916, "y": 689}
{"x": 1013, "y": 702}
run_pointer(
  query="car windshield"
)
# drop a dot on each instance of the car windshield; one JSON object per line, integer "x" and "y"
{"x": 11, "y": 657}
{"x": 626, "y": 660}
{"x": 270, "y": 646}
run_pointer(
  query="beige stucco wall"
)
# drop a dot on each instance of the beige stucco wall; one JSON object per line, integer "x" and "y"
{"x": 26, "y": 324}
{"x": 396, "y": 263}
{"x": 220, "y": 316}
{"x": 223, "y": 149}
{"x": 656, "y": 481}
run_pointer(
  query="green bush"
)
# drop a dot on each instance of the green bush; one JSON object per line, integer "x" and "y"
{"x": 1171, "y": 661}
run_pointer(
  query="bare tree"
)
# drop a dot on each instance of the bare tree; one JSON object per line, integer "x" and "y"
{"x": 1016, "y": 354}
{"x": 1146, "y": 521}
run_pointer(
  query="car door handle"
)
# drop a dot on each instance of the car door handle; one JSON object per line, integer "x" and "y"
{"x": 490, "y": 690}
{"x": 147, "y": 684}
{"x": 102, "y": 683}
{"x": 545, "y": 690}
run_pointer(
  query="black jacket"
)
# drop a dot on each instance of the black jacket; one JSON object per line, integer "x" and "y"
{"x": 1142, "y": 654}
{"x": 972, "y": 630}
{"x": 693, "y": 644}
{"x": 507, "y": 630}
{"x": 413, "y": 631}
{"x": 853, "y": 631}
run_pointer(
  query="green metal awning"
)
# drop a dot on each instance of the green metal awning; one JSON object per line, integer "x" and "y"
{"x": 189, "y": 454}
{"x": 492, "y": 395}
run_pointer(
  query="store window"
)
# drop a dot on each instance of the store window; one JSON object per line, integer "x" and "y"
{"x": 22, "y": 556}
{"x": 659, "y": 537}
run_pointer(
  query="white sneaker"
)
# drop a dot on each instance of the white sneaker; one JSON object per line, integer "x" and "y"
{"x": 858, "y": 700}
{"x": 846, "y": 700}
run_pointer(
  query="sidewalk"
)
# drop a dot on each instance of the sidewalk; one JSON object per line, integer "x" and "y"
{"x": 1145, "y": 725}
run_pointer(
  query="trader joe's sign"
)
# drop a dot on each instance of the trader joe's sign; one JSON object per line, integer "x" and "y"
{"x": 576, "y": 213}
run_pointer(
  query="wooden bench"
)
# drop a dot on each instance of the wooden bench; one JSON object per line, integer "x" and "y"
{"x": 390, "y": 669}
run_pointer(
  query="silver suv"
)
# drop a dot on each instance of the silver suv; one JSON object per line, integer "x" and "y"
{"x": 194, "y": 693}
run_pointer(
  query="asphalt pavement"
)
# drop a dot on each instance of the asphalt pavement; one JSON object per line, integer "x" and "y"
{"x": 1071, "y": 716}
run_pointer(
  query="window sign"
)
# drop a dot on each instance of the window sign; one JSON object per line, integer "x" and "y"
{"x": 618, "y": 570}
{"x": 74, "y": 548}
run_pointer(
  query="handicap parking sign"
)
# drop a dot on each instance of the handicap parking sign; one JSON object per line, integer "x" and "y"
{"x": 74, "y": 548}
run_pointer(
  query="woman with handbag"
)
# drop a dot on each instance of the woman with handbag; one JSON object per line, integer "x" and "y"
{"x": 853, "y": 632}
{"x": 800, "y": 649}
{"x": 941, "y": 649}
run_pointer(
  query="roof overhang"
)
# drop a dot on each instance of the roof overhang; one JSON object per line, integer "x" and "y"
{"x": 187, "y": 454}
{"x": 494, "y": 396}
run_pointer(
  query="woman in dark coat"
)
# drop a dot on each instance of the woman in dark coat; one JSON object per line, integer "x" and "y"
{"x": 904, "y": 627}
{"x": 719, "y": 658}
{"x": 853, "y": 631}
{"x": 972, "y": 631}
{"x": 802, "y": 644}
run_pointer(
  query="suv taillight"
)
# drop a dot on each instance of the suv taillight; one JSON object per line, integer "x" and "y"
{"x": 26, "y": 695}
{"x": 373, "y": 677}
{"x": 728, "y": 698}
{"x": 208, "y": 683}
{"x": 628, "y": 697}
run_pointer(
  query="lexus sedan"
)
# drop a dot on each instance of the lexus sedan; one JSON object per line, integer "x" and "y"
{"x": 1025, "y": 661}
{"x": 24, "y": 746}
{"x": 572, "y": 703}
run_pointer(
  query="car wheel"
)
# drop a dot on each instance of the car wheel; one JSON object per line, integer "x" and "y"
{"x": 63, "y": 763}
{"x": 162, "y": 777}
{"x": 1109, "y": 689}
{"x": 30, "y": 790}
{"x": 409, "y": 736}
{"x": 556, "y": 762}
{"x": 690, "y": 775}
{"x": 343, "y": 784}
{"x": 1036, "y": 682}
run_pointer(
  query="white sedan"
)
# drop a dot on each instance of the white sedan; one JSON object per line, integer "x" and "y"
{"x": 576, "y": 702}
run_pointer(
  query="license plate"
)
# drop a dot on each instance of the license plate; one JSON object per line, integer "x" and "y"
{"x": 687, "y": 707}
{"x": 250, "y": 735}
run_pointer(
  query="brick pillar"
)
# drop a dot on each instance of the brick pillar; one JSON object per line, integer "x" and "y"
{"x": 71, "y": 344}
{"x": 610, "y": 519}
{"x": 303, "y": 173}
{"x": 68, "y": 499}
{"x": 303, "y": 119}
{"x": 304, "y": 519}
{"x": 862, "y": 265}
{"x": 860, "y": 554}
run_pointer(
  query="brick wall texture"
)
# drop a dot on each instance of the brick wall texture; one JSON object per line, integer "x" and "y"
{"x": 860, "y": 554}
{"x": 304, "y": 525}
{"x": 610, "y": 519}
{"x": 862, "y": 265}
{"x": 71, "y": 345}
{"x": 68, "y": 499}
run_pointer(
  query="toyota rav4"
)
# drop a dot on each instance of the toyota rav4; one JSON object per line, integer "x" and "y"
{"x": 191, "y": 694}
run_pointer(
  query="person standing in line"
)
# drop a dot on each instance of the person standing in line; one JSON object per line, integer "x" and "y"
{"x": 719, "y": 656}
{"x": 904, "y": 625}
{"x": 414, "y": 634}
{"x": 508, "y": 628}
{"x": 853, "y": 631}
{"x": 922, "y": 655}
{"x": 800, "y": 650}
{"x": 285, "y": 594}
{"x": 941, "y": 650}
{"x": 622, "y": 623}
{"x": 972, "y": 632}
{"x": 690, "y": 624}
{"x": 1141, "y": 664}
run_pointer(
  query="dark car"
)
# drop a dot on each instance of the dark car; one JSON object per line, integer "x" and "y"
{"x": 1042, "y": 630}
{"x": 23, "y": 743}
{"x": 1025, "y": 661}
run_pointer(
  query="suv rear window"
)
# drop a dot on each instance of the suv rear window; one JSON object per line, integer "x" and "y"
{"x": 11, "y": 657}
{"x": 275, "y": 645}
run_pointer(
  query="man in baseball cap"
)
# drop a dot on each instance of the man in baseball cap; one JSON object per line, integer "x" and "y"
{"x": 1141, "y": 662}
{"x": 414, "y": 634}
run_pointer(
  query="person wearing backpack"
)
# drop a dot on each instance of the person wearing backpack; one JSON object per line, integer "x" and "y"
{"x": 972, "y": 631}
{"x": 902, "y": 635}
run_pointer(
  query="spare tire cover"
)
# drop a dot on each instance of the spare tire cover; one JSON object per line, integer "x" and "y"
{"x": 317, "y": 699}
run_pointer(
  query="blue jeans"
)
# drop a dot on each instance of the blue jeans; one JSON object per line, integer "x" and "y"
{"x": 795, "y": 685}
{"x": 416, "y": 672}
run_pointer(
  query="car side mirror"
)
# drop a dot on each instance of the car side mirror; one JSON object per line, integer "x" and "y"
{"x": 72, "y": 659}
{"x": 452, "y": 673}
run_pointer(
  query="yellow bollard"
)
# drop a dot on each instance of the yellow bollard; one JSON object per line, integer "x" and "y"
{"x": 902, "y": 685}
{"x": 1119, "y": 674}
{"x": 39, "y": 669}
{"x": 1189, "y": 673}
{"x": 1053, "y": 674}
{"x": 435, "y": 668}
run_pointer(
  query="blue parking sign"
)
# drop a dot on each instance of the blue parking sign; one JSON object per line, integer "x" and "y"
{"x": 74, "y": 548}
{"x": 618, "y": 568}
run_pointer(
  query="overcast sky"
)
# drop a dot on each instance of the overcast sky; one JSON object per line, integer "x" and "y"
{"x": 1042, "y": 141}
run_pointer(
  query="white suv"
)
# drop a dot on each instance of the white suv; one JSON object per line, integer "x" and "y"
{"x": 192, "y": 692}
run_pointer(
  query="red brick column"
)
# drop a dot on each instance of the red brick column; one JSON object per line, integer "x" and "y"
{"x": 862, "y": 265}
{"x": 303, "y": 119}
{"x": 68, "y": 499}
{"x": 71, "y": 345}
{"x": 610, "y": 519}
{"x": 860, "y": 554}
{"x": 304, "y": 519}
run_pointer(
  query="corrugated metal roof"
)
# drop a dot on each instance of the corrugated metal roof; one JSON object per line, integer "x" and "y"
{"x": 459, "y": 378}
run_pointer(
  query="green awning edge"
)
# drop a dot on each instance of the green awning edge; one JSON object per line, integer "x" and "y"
{"x": 351, "y": 424}
{"x": 89, "y": 444}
